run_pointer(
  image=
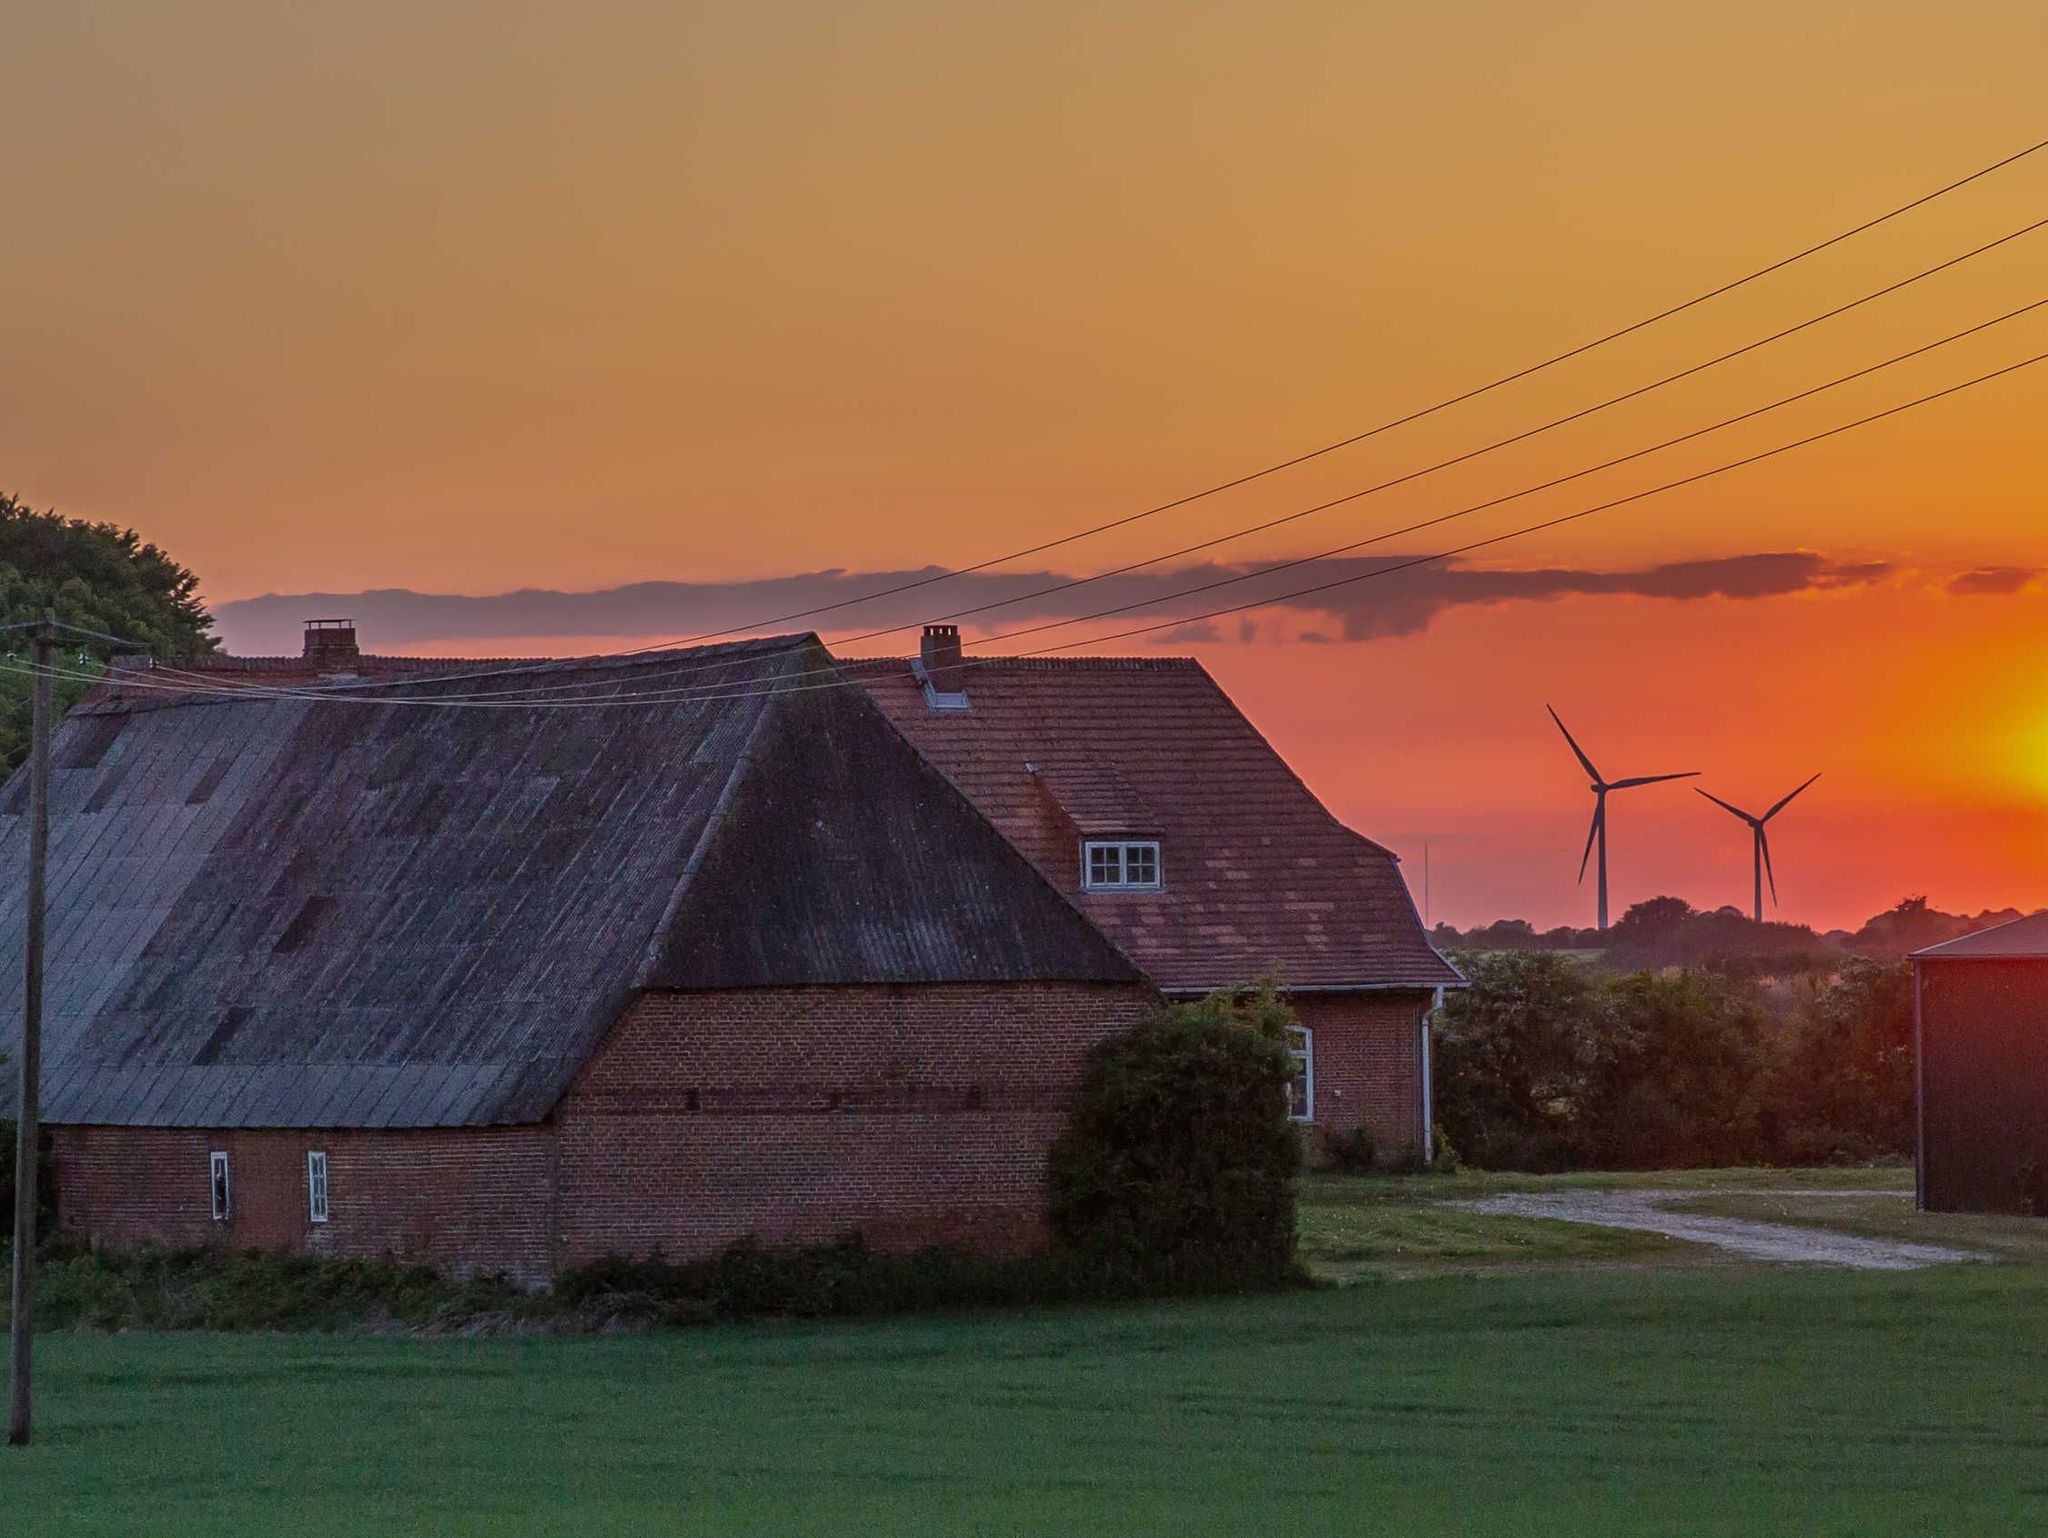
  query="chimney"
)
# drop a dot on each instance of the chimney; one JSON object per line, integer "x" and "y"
{"x": 331, "y": 646}
{"x": 940, "y": 654}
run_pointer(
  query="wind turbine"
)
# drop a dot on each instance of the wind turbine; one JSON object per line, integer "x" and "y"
{"x": 1762, "y": 842}
{"x": 1598, "y": 833}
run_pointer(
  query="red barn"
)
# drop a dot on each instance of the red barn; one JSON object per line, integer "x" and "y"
{"x": 468, "y": 964}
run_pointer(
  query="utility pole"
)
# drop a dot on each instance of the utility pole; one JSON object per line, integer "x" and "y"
{"x": 27, "y": 1131}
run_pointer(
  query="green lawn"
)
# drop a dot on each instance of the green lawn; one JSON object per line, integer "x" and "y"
{"x": 1732, "y": 1400}
{"x": 1379, "y": 1228}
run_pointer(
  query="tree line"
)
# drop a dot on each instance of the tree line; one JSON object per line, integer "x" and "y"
{"x": 1670, "y": 932}
{"x": 1548, "y": 1062}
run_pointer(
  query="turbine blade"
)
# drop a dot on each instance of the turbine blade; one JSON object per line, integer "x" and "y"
{"x": 1654, "y": 779}
{"x": 1592, "y": 833}
{"x": 1763, "y": 844}
{"x": 1726, "y": 806}
{"x": 1577, "y": 751}
{"x": 1786, "y": 802}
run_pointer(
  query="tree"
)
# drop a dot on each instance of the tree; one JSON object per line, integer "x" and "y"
{"x": 95, "y": 575}
{"x": 1676, "y": 1078}
{"x": 1514, "y": 1058}
{"x": 1845, "y": 1086}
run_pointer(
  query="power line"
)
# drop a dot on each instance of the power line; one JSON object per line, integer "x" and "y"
{"x": 1470, "y": 454}
{"x": 1371, "y": 432}
{"x": 1265, "y": 601}
{"x": 1551, "y": 523}
{"x": 1073, "y": 583}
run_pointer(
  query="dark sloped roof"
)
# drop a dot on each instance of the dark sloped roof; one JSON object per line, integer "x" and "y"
{"x": 1257, "y": 873}
{"x": 2011, "y": 941}
{"x": 284, "y": 912}
{"x": 845, "y": 857}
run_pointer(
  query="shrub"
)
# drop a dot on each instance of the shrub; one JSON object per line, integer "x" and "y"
{"x": 1179, "y": 1162}
{"x": 1353, "y": 1152}
{"x": 749, "y": 1280}
{"x": 1443, "y": 1154}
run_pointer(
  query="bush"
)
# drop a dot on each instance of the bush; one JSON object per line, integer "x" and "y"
{"x": 1353, "y": 1152}
{"x": 844, "y": 1279}
{"x": 197, "y": 1289}
{"x": 1179, "y": 1163}
{"x": 1545, "y": 1064}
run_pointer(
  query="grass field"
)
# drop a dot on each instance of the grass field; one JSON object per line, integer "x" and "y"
{"x": 1549, "y": 1396}
{"x": 1383, "y": 1229}
{"x": 1735, "y": 1401}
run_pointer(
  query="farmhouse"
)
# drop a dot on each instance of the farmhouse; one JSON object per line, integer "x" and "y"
{"x": 1981, "y": 1039}
{"x": 513, "y": 986}
{"x": 1138, "y": 788}
{"x": 454, "y": 960}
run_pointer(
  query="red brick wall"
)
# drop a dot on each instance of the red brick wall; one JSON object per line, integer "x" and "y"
{"x": 917, "y": 1115}
{"x": 1368, "y": 1064}
{"x": 473, "y": 1200}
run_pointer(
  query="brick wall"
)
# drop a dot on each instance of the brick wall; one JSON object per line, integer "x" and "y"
{"x": 1368, "y": 1064}
{"x": 917, "y": 1115}
{"x": 473, "y": 1200}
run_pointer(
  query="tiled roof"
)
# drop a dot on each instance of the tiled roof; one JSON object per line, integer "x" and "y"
{"x": 1257, "y": 874}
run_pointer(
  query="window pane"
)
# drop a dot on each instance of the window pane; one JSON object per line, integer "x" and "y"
{"x": 1141, "y": 864}
{"x": 1301, "y": 1088}
{"x": 316, "y": 1186}
{"x": 217, "y": 1165}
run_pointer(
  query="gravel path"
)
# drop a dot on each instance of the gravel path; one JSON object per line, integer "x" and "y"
{"x": 1781, "y": 1242}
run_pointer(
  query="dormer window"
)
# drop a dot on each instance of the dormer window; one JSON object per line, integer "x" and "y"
{"x": 1120, "y": 865}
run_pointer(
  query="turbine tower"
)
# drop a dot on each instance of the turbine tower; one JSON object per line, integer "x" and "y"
{"x": 1761, "y": 851}
{"x": 1600, "y": 787}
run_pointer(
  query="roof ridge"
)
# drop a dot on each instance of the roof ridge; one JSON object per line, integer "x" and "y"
{"x": 1051, "y": 664}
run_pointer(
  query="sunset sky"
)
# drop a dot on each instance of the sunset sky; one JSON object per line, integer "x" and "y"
{"x": 466, "y": 300}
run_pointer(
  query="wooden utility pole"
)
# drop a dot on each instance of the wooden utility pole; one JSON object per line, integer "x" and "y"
{"x": 27, "y": 1131}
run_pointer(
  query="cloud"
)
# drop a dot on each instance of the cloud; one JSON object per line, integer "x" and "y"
{"x": 1362, "y": 598}
{"x": 1189, "y": 635}
{"x": 1992, "y": 581}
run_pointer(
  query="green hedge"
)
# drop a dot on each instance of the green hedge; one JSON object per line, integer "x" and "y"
{"x": 1179, "y": 1162}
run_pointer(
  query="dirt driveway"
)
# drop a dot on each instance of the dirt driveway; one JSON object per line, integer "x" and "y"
{"x": 1784, "y": 1243}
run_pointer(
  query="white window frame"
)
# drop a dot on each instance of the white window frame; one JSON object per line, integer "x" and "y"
{"x": 1121, "y": 849}
{"x": 1301, "y": 1047}
{"x": 316, "y": 1185}
{"x": 220, "y": 1185}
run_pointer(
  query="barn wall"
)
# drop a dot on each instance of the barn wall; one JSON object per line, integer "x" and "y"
{"x": 918, "y": 1115}
{"x": 1984, "y": 1085}
{"x": 471, "y": 1200}
{"x": 1368, "y": 1061}
{"x": 914, "y": 1114}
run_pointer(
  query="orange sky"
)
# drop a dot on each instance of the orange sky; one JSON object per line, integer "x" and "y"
{"x": 465, "y": 298}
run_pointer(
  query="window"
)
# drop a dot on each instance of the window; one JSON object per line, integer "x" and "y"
{"x": 1112, "y": 865}
{"x": 223, "y": 1196}
{"x": 316, "y": 1186}
{"x": 1301, "y": 1089}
